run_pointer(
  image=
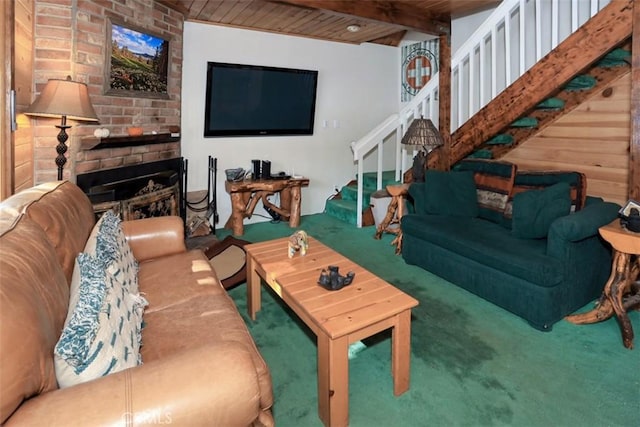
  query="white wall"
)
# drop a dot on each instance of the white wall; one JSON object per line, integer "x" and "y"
{"x": 358, "y": 87}
{"x": 463, "y": 27}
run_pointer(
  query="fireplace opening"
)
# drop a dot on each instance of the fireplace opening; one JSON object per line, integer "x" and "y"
{"x": 137, "y": 191}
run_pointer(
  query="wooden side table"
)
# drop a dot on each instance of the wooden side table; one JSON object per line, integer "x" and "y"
{"x": 245, "y": 195}
{"x": 395, "y": 211}
{"x": 621, "y": 292}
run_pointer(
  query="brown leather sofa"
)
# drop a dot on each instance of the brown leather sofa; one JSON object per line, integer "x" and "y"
{"x": 200, "y": 365}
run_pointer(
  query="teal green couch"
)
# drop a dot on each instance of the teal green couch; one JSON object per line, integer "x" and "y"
{"x": 539, "y": 279}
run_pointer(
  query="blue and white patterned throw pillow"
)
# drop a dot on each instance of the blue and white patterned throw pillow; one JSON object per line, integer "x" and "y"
{"x": 110, "y": 246}
{"x": 100, "y": 335}
{"x": 102, "y": 332}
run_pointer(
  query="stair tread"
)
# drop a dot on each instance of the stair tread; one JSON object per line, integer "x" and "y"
{"x": 551, "y": 104}
{"x": 581, "y": 83}
{"x": 525, "y": 122}
{"x": 616, "y": 58}
{"x": 344, "y": 210}
{"x": 501, "y": 139}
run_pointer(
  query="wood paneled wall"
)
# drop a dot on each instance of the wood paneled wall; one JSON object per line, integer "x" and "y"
{"x": 593, "y": 139}
{"x": 6, "y": 156}
{"x": 23, "y": 84}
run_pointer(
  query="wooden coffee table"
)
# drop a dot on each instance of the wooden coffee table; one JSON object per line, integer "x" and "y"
{"x": 338, "y": 318}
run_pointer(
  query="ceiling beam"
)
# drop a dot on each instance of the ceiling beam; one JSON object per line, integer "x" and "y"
{"x": 390, "y": 40}
{"x": 399, "y": 14}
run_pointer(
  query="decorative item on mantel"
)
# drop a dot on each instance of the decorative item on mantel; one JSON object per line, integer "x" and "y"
{"x": 174, "y": 130}
{"x": 136, "y": 129}
{"x": 101, "y": 133}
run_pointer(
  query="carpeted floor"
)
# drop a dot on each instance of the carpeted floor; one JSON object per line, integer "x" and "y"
{"x": 472, "y": 364}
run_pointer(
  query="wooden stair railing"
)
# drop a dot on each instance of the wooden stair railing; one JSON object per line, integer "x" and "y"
{"x": 608, "y": 29}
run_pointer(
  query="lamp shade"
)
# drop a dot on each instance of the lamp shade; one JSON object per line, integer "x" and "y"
{"x": 61, "y": 98}
{"x": 423, "y": 133}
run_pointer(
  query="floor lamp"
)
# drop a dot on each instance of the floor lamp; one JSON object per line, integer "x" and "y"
{"x": 423, "y": 134}
{"x": 64, "y": 99}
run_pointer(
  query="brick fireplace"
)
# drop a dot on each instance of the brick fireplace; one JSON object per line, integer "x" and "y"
{"x": 70, "y": 38}
{"x": 136, "y": 191}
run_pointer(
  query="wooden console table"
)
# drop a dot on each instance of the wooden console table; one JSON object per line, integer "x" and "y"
{"x": 621, "y": 292}
{"x": 245, "y": 195}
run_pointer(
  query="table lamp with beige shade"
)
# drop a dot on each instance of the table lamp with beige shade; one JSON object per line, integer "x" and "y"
{"x": 64, "y": 99}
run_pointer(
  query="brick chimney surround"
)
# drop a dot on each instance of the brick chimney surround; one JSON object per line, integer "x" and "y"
{"x": 70, "y": 38}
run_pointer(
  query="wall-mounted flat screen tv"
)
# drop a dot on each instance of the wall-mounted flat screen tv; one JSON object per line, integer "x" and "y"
{"x": 250, "y": 100}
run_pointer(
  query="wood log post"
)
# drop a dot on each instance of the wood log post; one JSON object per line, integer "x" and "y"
{"x": 285, "y": 199}
{"x": 612, "y": 302}
{"x": 296, "y": 197}
{"x": 237, "y": 215}
{"x": 616, "y": 293}
{"x": 251, "y": 202}
{"x": 267, "y": 204}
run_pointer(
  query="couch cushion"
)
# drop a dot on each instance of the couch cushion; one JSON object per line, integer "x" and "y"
{"x": 537, "y": 180}
{"x": 196, "y": 308}
{"x": 489, "y": 244}
{"x": 450, "y": 193}
{"x": 535, "y": 210}
{"x": 494, "y": 182}
{"x": 100, "y": 334}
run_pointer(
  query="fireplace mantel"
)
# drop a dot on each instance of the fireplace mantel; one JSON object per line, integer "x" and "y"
{"x": 92, "y": 143}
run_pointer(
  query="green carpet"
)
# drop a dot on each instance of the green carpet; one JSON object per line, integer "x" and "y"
{"x": 472, "y": 363}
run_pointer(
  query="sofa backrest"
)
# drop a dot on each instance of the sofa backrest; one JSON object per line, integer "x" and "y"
{"x": 494, "y": 182}
{"x": 537, "y": 180}
{"x": 63, "y": 211}
{"x": 42, "y": 230}
{"x": 497, "y": 182}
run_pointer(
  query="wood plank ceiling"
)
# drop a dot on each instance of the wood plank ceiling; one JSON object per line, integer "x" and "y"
{"x": 382, "y": 22}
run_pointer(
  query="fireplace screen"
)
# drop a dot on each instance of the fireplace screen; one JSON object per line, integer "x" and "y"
{"x": 153, "y": 200}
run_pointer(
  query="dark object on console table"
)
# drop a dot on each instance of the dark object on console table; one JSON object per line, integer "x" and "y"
{"x": 540, "y": 279}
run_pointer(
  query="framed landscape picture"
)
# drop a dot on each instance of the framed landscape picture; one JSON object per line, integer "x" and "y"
{"x": 137, "y": 62}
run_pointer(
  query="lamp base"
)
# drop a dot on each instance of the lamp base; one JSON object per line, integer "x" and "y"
{"x": 419, "y": 166}
{"x": 61, "y": 148}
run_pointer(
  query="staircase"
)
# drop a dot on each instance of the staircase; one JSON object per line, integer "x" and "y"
{"x": 609, "y": 68}
{"x": 344, "y": 205}
{"x": 511, "y": 78}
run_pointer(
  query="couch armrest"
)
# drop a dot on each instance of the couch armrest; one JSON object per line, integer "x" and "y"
{"x": 580, "y": 225}
{"x": 209, "y": 385}
{"x": 151, "y": 238}
{"x": 416, "y": 191}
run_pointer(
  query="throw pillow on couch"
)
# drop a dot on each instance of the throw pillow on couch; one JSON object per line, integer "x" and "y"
{"x": 450, "y": 194}
{"x": 535, "y": 210}
{"x": 102, "y": 332}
